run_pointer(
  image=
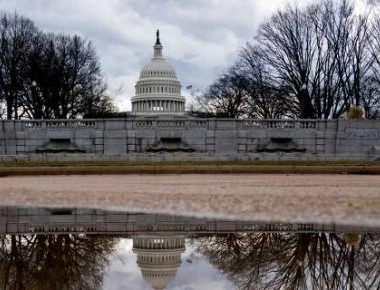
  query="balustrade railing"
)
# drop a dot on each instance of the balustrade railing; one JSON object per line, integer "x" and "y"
{"x": 59, "y": 124}
{"x": 198, "y": 123}
{"x": 170, "y": 123}
{"x": 186, "y": 123}
{"x": 285, "y": 124}
{"x": 271, "y": 124}
{"x": 143, "y": 124}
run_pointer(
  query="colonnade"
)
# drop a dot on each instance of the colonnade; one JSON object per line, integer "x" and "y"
{"x": 159, "y": 243}
{"x": 158, "y": 106}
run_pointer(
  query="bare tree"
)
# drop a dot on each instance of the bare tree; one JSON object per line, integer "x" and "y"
{"x": 312, "y": 62}
{"x": 67, "y": 79}
{"x": 71, "y": 261}
{"x": 266, "y": 99}
{"x": 286, "y": 44}
{"x": 48, "y": 75}
{"x": 295, "y": 260}
{"x": 15, "y": 42}
{"x": 372, "y": 102}
{"x": 227, "y": 96}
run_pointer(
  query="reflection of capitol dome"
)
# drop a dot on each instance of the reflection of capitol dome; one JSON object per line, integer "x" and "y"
{"x": 159, "y": 258}
{"x": 158, "y": 90}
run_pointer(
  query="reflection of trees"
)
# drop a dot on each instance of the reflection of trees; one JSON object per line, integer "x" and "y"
{"x": 295, "y": 260}
{"x": 70, "y": 261}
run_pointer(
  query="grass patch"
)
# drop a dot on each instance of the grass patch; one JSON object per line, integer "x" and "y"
{"x": 187, "y": 163}
{"x": 189, "y": 167}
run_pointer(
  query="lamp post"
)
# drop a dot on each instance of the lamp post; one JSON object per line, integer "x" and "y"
{"x": 36, "y": 99}
{"x": 307, "y": 111}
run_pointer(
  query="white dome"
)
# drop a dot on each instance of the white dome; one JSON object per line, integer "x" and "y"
{"x": 159, "y": 279}
{"x": 158, "y": 91}
{"x": 159, "y": 258}
{"x": 158, "y": 68}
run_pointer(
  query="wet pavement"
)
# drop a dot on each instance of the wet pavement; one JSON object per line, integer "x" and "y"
{"x": 351, "y": 199}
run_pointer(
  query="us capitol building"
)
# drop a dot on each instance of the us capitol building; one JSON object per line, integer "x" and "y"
{"x": 158, "y": 91}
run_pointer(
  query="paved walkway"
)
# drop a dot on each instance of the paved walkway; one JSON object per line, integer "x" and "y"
{"x": 344, "y": 199}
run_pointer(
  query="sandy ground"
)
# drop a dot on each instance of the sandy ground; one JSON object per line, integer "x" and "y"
{"x": 342, "y": 199}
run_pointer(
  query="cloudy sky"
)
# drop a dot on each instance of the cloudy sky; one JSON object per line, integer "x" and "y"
{"x": 200, "y": 37}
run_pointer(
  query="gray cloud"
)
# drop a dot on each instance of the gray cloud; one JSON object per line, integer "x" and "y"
{"x": 200, "y": 37}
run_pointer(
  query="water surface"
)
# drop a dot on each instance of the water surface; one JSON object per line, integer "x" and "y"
{"x": 68, "y": 248}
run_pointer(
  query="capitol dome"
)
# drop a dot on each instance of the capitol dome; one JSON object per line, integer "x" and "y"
{"x": 159, "y": 258}
{"x": 158, "y": 68}
{"x": 158, "y": 91}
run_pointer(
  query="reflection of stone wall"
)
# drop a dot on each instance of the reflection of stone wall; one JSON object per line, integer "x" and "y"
{"x": 43, "y": 221}
{"x": 209, "y": 138}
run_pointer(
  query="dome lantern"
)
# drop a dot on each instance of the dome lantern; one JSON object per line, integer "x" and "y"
{"x": 157, "y": 47}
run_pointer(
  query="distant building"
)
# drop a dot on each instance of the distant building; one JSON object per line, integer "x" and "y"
{"x": 158, "y": 91}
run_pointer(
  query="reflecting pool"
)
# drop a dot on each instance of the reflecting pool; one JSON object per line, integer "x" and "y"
{"x": 67, "y": 248}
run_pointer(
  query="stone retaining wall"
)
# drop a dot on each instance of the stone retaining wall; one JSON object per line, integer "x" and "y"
{"x": 222, "y": 139}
